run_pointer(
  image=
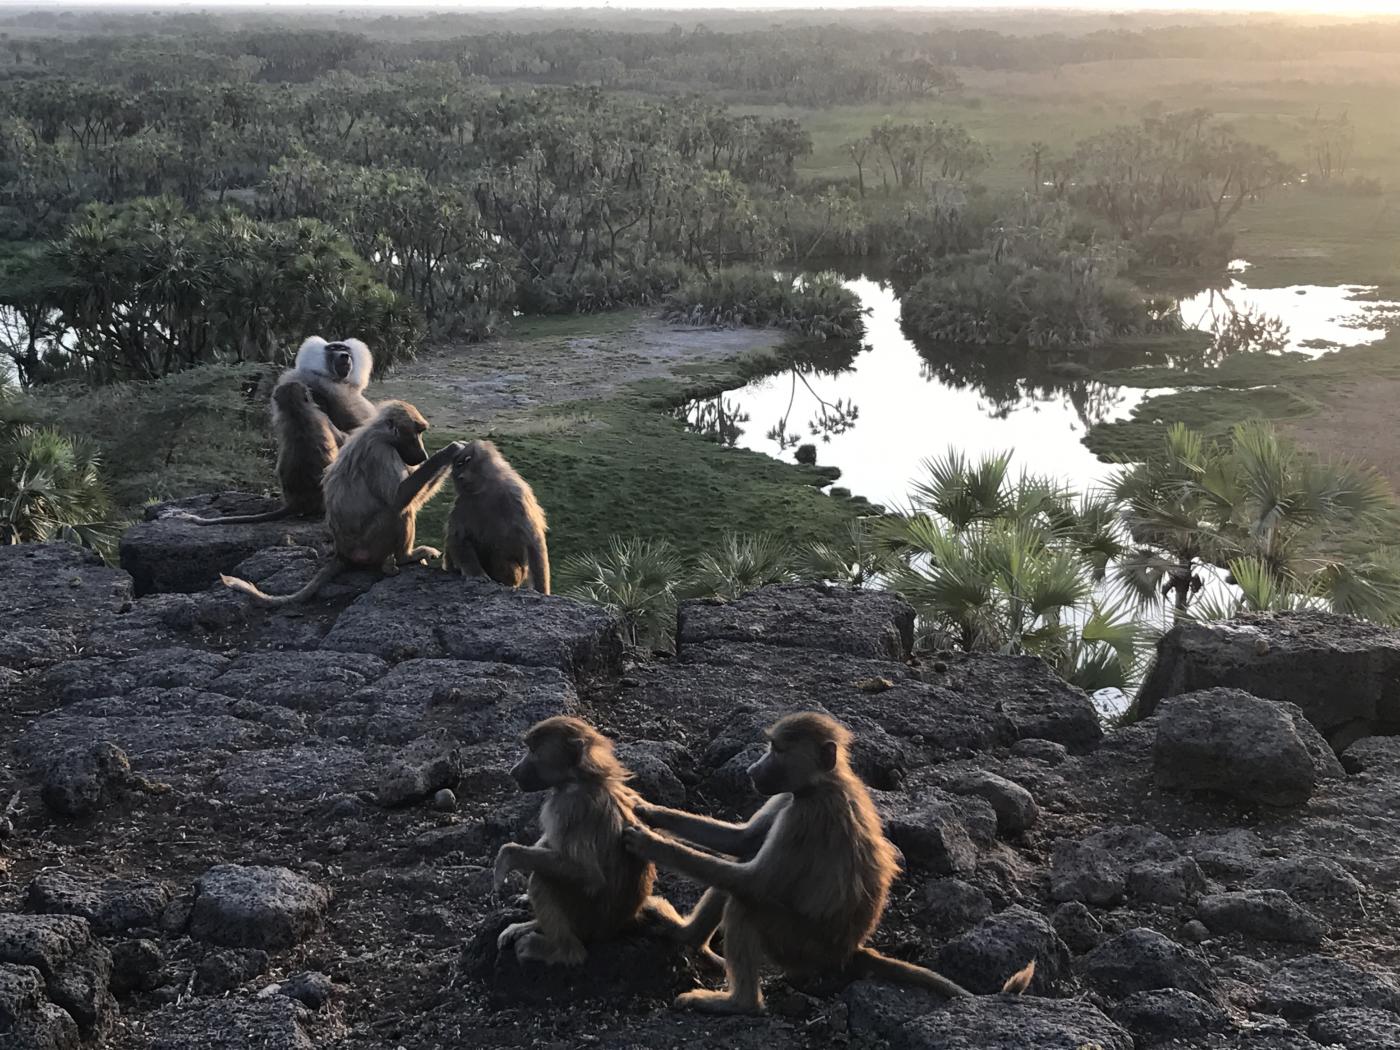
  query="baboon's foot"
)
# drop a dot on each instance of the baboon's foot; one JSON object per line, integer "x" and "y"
{"x": 421, "y": 555}
{"x": 534, "y": 946}
{"x": 709, "y": 1002}
{"x": 513, "y": 933}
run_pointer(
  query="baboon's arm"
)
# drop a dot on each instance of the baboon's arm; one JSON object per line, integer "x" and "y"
{"x": 738, "y": 840}
{"x": 430, "y": 473}
{"x": 550, "y": 863}
{"x": 723, "y": 874}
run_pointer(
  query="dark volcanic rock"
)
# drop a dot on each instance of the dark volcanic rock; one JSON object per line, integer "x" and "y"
{"x": 652, "y": 773}
{"x": 312, "y": 989}
{"x": 1141, "y": 960}
{"x": 256, "y": 907}
{"x": 1015, "y": 808}
{"x": 419, "y": 770}
{"x": 1040, "y": 704}
{"x": 423, "y": 613}
{"x": 1267, "y": 914}
{"x": 931, "y": 830}
{"x": 51, "y": 594}
{"x": 28, "y": 1021}
{"x": 633, "y": 966}
{"x": 1313, "y": 983}
{"x": 1167, "y": 1014}
{"x": 75, "y": 967}
{"x": 300, "y": 772}
{"x": 99, "y": 676}
{"x": 1342, "y": 673}
{"x": 983, "y": 958}
{"x": 1256, "y": 750}
{"x": 951, "y": 905}
{"x": 303, "y": 681}
{"x": 878, "y": 1009}
{"x": 83, "y": 780}
{"x": 274, "y": 1023}
{"x": 1357, "y": 1028}
{"x": 137, "y": 965}
{"x": 1095, "y": 869}
{"x": 1166, "y": 882}
{"x": 224, "y": 970}
{"x": 109, "y": 905}
{"x": 1013, "y": 1023}
{"x": 833, "y": 619}
{"x": 1310, "y": 880}
{"x": 164, "y": 553}
{"x": 1077, "y": 927}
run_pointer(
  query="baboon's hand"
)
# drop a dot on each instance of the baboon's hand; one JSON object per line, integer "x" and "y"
{"x": 505, "y": 864}
{"x": 646, "y": 813}
{"x": 640, "y": 842}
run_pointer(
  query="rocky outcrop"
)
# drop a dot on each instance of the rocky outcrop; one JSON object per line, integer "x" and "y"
{"x": 1343, "y": 674}
{"x": 239, "y": 827}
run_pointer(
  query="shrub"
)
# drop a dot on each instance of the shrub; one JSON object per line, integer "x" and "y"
{"x": 817, "y": 306}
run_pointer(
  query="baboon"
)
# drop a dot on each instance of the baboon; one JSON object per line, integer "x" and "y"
{"x": 373, "y": 492}
{"x": 337, "y": 374}
{"x": 816, "y": 877}
{"x": 307, "y": 443}
{"x": 583, "y": 885}
{"x": 496, "y": 527}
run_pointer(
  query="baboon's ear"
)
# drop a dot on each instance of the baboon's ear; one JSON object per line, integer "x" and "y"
{"x": 827, "y": 756}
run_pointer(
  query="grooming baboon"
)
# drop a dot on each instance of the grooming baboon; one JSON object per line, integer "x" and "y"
{"x": 814, "y": 884}
{"x": 337, "y": 374}
{"x": 307, "y": 443}
{"x": 496, "y": 528}
{"x": 373, "y": 492}
{"x": 583, "y": 885}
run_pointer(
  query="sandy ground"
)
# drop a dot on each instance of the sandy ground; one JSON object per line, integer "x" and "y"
{"x": 504, "y": 381}
{"x": 1360, "y": 421}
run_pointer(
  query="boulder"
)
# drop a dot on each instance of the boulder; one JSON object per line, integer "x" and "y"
{"x": 951, "y": 905}
{"x": 167, "y": 554}
{"x": 1095, "y": 868}
{"x": 650, "y": 762}
{"x": 27, "y": 1019}
{"x": 424, "y": 613}
{"x": 1312, "y": 984}
{"x": 1270, "y": 915}
{"x": 227, "y": 968}
{"x": 983, "y": 958}
{"x": 874, "y": 624}
{"x": 109, "y": 905}
{"x": 137, "y": 965}
{"x": 419, "y": 770}
{"x": 311, "y": 988}
{"x": 169, "y": 667}
{"x": 1356, "y": 1028}
{"x": 85, "y": 779}
{"x": 256, "y": 907}
{"x": 1340, "y": 672}
{"x": 1013, "y": 1023}
{"x": 1015, "y": 808}
{"x": 1039, "y": 703}
{"x": 52, "y": 594}
{"x": 1166, "y": 882}
{"x": 75, "y": 967}
{"x": 302, "y": 681}
{"x": 931, "y": 830}
{"x": 1166, "y": 1015}
{"x": 1228, "y": 741}
{"x": 1077, "y": 927}
{"x": 1313, "y": 881}
{"x": 1142, "y": 960}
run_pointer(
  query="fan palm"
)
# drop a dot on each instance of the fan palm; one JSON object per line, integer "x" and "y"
{"x": 636, "y": 578}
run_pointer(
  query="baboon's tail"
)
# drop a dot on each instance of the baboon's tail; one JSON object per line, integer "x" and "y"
{"x": 870, "y": 963}
{"x": 324, "y": 575}
{"x": 538, "y": 559}
{"x": 240, "y": 519}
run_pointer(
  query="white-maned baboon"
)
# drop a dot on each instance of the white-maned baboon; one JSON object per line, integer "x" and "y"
{"x": 583, "y": 885}
{"x": 373, "y": 493}
{"x": 337, "y": 374}
{"x": 496, "y": 527}
{"x": 816, "y": 877}
{"x": 307, "y": 443}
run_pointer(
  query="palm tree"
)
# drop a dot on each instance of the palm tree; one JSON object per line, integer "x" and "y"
{"x": 744, "y": 562}
{"x": 638, "y": 579}
{"x": 50, "y": 488}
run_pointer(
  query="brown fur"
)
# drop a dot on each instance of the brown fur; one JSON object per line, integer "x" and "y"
{"x": 583, "y": 885}
{"x": 307, "y": 443}
{"x": 373, "y": 493}
{"x": 813, "y": 872}
{"x": 336, "y": 374}
{"x": 496, "y": 527}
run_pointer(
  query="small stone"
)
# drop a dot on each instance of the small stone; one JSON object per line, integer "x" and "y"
{"x": 312, "y": 989}
{"x": 1015, "y": 807}
{"x": 83, "y": 780}
{"x": 1195, "y": 931}
{"x": 1141, "y": 960}
{"x": 137, "y": 966}
{"x": 445, "y": 801}
{"x": 984, "y": 957}
{"x": 951, "y": 905}
{"x": 1049, "y": 752}
{"x": 1165, "y": 1014}
{"x": 1166, "y": 882}
{"x": 419, "y": 771}
{"x": 226, "y": 969}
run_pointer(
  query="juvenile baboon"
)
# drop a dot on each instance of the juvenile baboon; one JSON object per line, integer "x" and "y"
{"x": 307, "y": 443}
{"x": 373, "y": 492}
{"x": 816, "y": 877}
{"x": 496, "y": 527}
{"x": 337, "y": 374}
{"x": 583, "y": 885}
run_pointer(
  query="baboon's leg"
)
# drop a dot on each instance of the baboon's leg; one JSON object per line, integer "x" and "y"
{"x": 743, "y": 954}
{"x": 466, "y": 562}
{"x": 417, "y": 554}
{"x": 562, "y": 949}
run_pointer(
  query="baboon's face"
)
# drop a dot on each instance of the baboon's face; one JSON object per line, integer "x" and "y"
{"x": 407, "y": 437}
{"x": 468, "y": 463}
{"x": 339, "y": 361}
{"x": 548, "y": 762}
{"x": 791, "y": 764}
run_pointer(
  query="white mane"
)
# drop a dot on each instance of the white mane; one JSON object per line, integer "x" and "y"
{"x": 310, "y": 358}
